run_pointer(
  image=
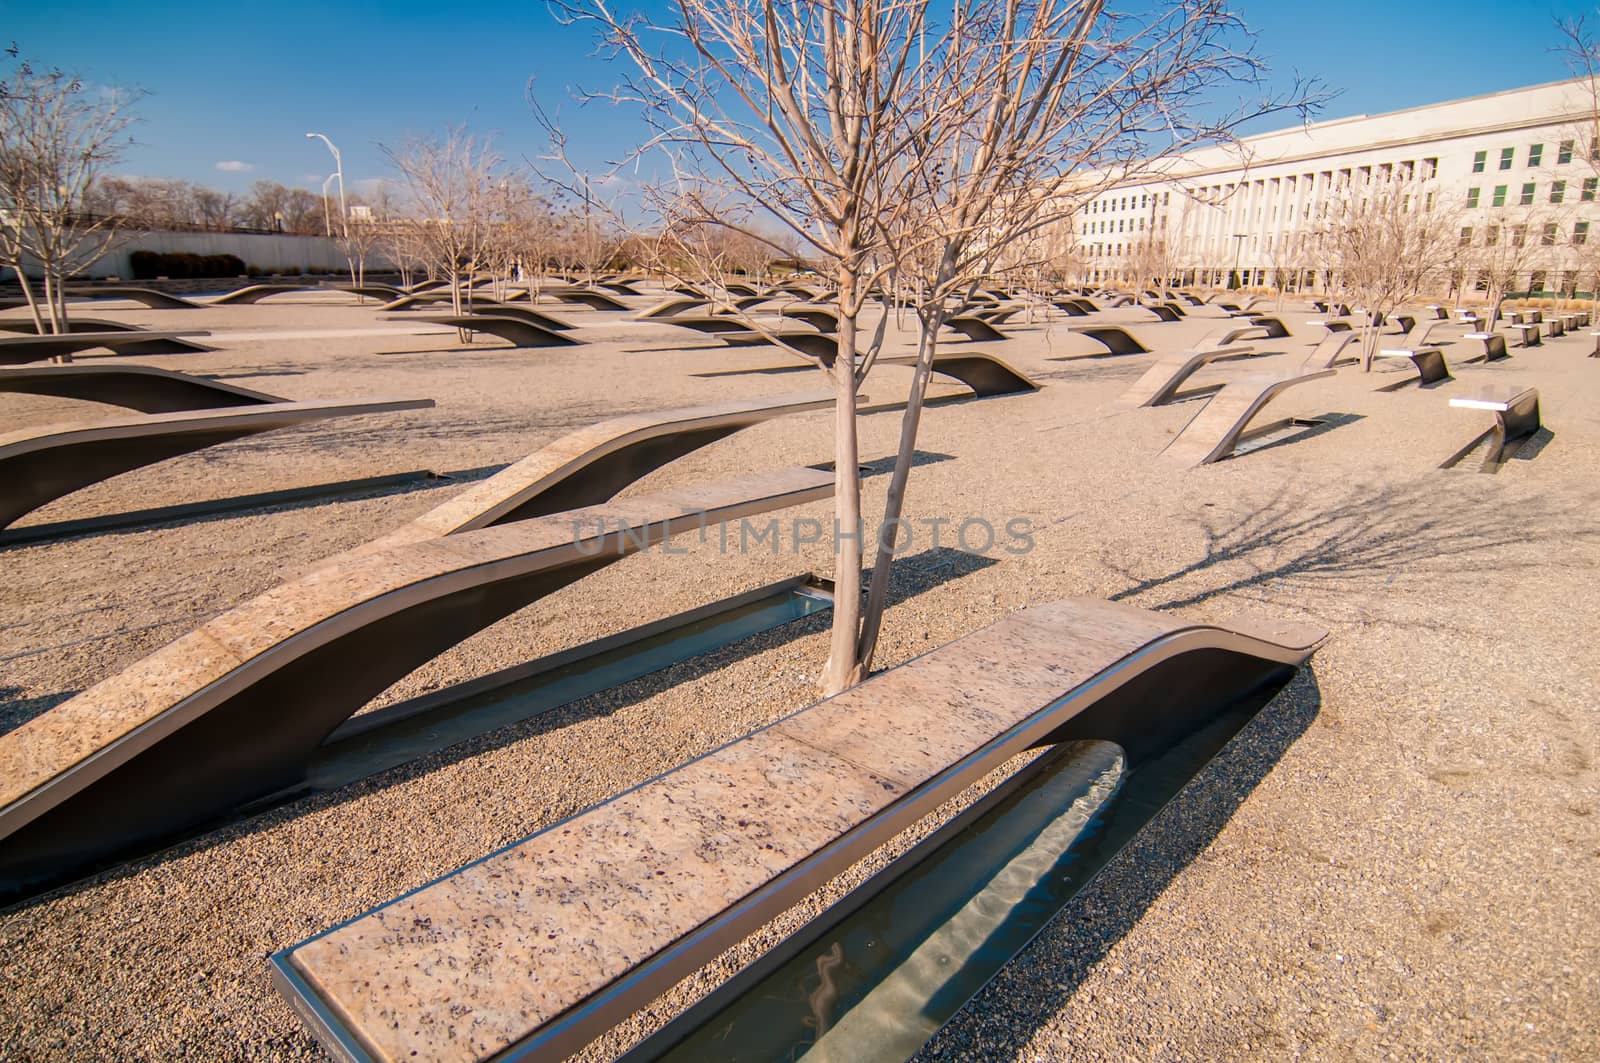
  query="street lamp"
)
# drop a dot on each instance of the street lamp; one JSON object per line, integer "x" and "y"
{"x": 327, "y": 225}
{"x": 338, "y": 171}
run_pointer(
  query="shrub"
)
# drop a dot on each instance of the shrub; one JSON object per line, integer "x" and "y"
{"x": 147, "y": 265}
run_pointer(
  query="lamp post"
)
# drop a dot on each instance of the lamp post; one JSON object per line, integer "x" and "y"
{"x": 1238, "y": 245}
{"x": 338, "y": 171}
{"x": 327, "y": 225}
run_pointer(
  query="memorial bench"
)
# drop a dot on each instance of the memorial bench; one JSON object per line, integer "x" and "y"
{"x": 1114, "y": 338}
{"x": 1527, "y": 334}
{"x": 19, "y": 350}
{"x": 135, "y": 387}
{"x": 162, "y": 343}
{"x": 1213, "y": 433}
{"x": 39, "y": 465}
{"x": 1160, "y": 383}
{"x": 538, "y": 948}
{"x": 1516, "y": 419}
{"x": 1429, "y": 361}
{"x": 235, "y": 710}
{"x": 514, "y": 330}
{"x": 148, "y": 296}
{"x": 1494, "y": 345}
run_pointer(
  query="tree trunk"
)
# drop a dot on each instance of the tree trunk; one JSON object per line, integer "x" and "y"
{"x": 894, "y": 499}
{"x": 33, "y": 303}
{"x": 842, "y": 670}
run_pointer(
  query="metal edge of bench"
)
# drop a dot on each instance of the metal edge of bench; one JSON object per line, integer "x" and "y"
{"x": 646, "y": 980}
{"x": 778, "y": 488}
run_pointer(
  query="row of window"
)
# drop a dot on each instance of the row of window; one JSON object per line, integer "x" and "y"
{"x": 1117, "y": 225}
{"x": 1535, "y": 156}
{"x": 1139, "y": 202}
{"x": 1529, "y": 192}
{"x": 1519, "y": 235}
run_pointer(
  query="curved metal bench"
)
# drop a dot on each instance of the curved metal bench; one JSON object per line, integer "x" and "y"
{"x": 985, "y": 374}
{"x": 165, "y": 343}
{"x": 136, "y": 387}
{"x": 514, "y": 330}
{"x": 1329, "y": 351}
{"x": 673, "y": 307}
{"x": 40, "y": 465}
{"x": 1276, "y": 329}
{"x": 1227, "y": 337}
{"x": 254, "y": 293}
{"x": 19, "y": 350}
{"x": 1160, "y": 383}
{"x": 427, "y": 297}
{"x": 1071, "y": 307}
{"x": 234, "y": 710}
{"x": 1161, "y": 311}
{"x": 974, "y": 328}
{"x": 818, "y": 318}
{"x": 1516, "y": 419}
{"x": 148, "y": 296}
{"x": 540, "y": 947}
{"x": 1494, "y": 345}
{"x": 523, "y": 313}
{"x": 592, "y": 464}
{"x": 1114, "y": 338}
{"x": 1212, "y": 434}
{"x": 1430, "y": 363}
{"x": 593, "y": 299}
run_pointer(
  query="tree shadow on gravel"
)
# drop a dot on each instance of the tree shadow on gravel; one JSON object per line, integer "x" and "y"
{"x": 1357, "y": 548}
{"x": 1028, "y": 993}
{"x": 913, "y": 575}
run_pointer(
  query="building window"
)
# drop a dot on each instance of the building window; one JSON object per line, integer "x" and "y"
{"x": 1472, "y": 198}
{"x": 1527, "y": 195}
{"x": 1466, "y": 236}
{"x": 1499, "y": 196}
{"x": 1519, "y": 235}
{"x": 1536, "y": 155}
{"x": 1166, "y": 198}
{"x": 1536, "y": 283}
{"x": 1558, "y": 191}
{"x": 1479, "y": 161}
{"x": 1580, "y": 233}
{"x": 1548, "y": 238}
{"x": 1491, "y": 236}
{"x": 1427, "y": 201}
{"x": 1508, "y": 156}
{"x": 1564, "y": 153}
{"x": 1569, "y": 281}
{"x": 1430, "y": 169}
{"x": 1589, "y": 183}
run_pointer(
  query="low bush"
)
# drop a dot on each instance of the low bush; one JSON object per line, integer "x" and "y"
{"x": 147, "y": 265}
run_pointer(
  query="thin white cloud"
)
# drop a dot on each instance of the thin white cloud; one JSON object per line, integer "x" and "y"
{"x": 235, "y": 166}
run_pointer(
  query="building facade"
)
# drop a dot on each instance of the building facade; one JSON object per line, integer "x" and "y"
{"x": 1514, "y": 174}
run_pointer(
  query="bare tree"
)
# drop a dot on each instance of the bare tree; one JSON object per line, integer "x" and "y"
{"x": 450, "y": 179}
{"x": 906, "y": 142}
{"x": 56, "y": 136}
{"x": 1504, "y": 254}
{"x": 1389, "y": 240}
{"x": 1022, "y": 112}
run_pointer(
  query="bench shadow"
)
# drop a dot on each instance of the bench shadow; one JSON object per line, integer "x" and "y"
{"x": 1351, "y": 551}
{"x": 913, "y": 574}
{"x": 1027, "y": 994}
{"x": 138, "y": 520}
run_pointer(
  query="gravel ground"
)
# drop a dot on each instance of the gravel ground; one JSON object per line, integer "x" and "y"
{"x": 1397, "y": 858}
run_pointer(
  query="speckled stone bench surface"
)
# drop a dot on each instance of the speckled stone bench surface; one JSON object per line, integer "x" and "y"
{"x": 524, "y": 950}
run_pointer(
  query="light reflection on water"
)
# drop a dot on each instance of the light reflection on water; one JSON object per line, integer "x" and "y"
{"x": 879, "y": 984}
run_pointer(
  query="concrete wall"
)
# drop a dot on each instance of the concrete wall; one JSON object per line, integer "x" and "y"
{"x": 269, "y": 252}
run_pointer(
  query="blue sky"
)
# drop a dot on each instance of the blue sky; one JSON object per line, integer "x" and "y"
{"x": 243, "y": 83}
